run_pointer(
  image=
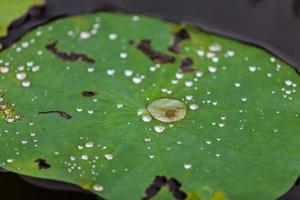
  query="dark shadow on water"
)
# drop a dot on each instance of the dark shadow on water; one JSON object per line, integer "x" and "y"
{"x": 296, "y": 8}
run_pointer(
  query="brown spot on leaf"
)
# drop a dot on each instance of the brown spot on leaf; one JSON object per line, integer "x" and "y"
{"x": 171, "y": 113}
{"x": 88, "y": 93}
{"x": 42, "y": 164}
{"x": 179, "y": 36}
{"x": 161, "y": 181}
{"x": 145, "y": 47}
{"x": 73, "y": 57}
{"x": 61, "y": 113}
{"x": 187, "y": 65}
{"x": 131, "y": 42}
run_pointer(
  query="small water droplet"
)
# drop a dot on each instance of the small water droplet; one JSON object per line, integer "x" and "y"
{"x": 98, "y": 187}
{"x": 159, "y": 128}
{"x": 212, "y": 69}
{"x": 146, "y": 118}
{"x": 221, "y": 125}
{"x": 252, "y": 68}
{"x": 215, "y": 47}
{"x": 108, "y": 156}
{"x": 4, "y": 70}
{"x": 119, "y": 105}
{"x": 26, "y": 84}
{"x": 128, "y": 72}
{"x": 187, "y": 166}
{"x": 179, "y": 75}
{"x": 189, "y": 97}
{"x": 79, "y": 109}
{"x": 244, "y": 99}
{"x": 90, "y": 69}
{"x": 201, "y": 53}
{"x": 123, "y": 55}
{"x": 110, "y": 72}
{"x": 21, "y": 75}
{"x": 288, "y": 82}
{"x": 84, "y": 157}
{"x": 89, "y": 144}
{"x": 137, "y": 80}
{"x": 188, "y": 83}
{"x": 237, "y": 84}
{"x": 208, "y": 142}
{"x": 194, "y": 106}
{"x": 85, "y": 35}
{"x": 199, "y": 74}
{"x": 112, "y": 36}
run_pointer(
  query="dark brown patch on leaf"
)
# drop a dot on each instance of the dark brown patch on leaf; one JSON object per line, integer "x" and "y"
{"x": 145, "y": 47}
{"x": 42, "y": 164}
{"x": 171, "y": 113}
{"x": 187, "y": 65}
{"x": 179, "y": 36}
{"x": 73, "y": 57}
{"x": 131, "y": 42}
{"x": 174, "y": 188}
{"x": 61, "y": 113}
{"x": 89, "y": 93}
{"x": 161, "y": 181}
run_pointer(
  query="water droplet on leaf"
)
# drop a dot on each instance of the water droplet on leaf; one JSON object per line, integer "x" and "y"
{"x": 167, "y": 110}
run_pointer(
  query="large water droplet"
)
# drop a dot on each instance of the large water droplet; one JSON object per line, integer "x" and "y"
{"x": 167, "y": 110}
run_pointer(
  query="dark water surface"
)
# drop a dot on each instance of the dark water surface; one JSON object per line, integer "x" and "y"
{"x": 271, "y": 24}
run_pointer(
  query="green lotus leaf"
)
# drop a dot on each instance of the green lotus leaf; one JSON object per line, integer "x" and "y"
{"x": 125, "y": 105}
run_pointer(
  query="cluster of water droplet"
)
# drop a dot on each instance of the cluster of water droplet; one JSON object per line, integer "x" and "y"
{"x": 8, "y": 112}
